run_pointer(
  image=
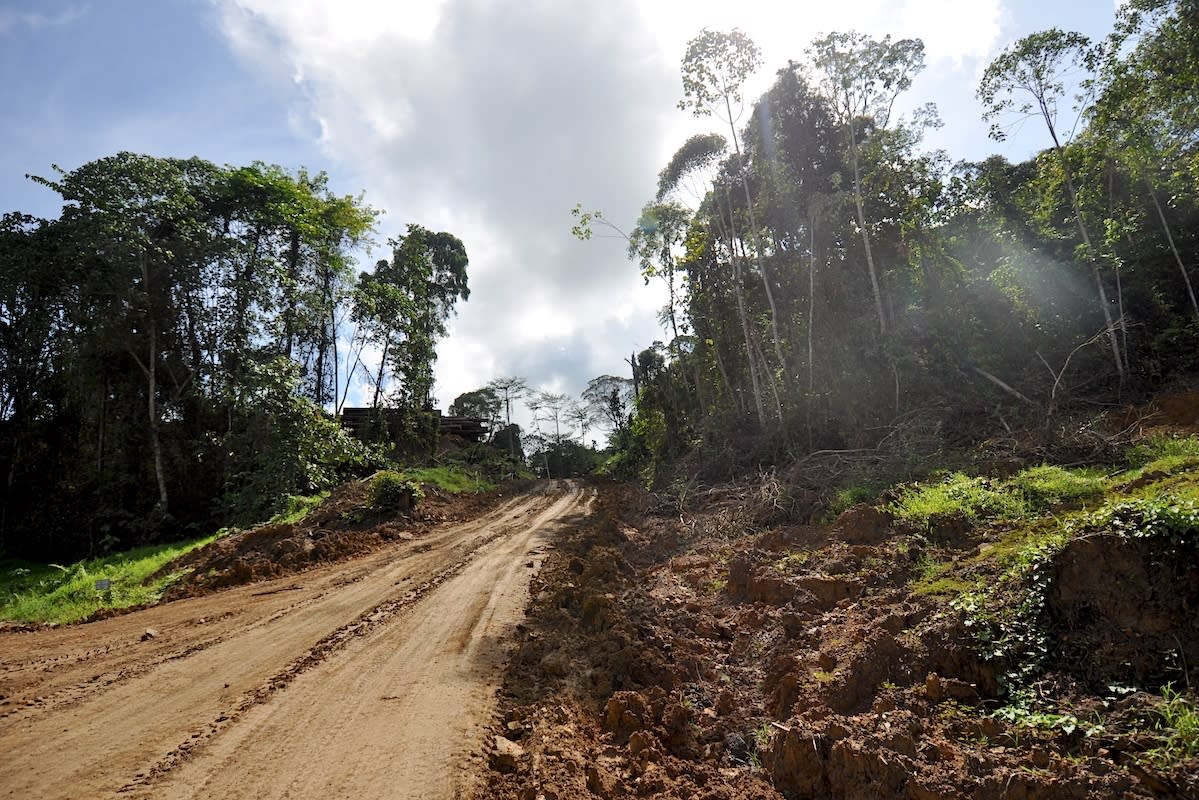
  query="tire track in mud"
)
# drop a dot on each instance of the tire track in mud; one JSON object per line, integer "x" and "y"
{"x": 95, "y": 736}
{"x": 322, "y": 650}
{"x": 63, "y": 697}
{"x": 393, "y": 702}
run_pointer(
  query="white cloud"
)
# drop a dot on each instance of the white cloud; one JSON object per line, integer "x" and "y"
{"x": 10, "y": 18}
{"x": 953, "y": 31}
{"x": 491, "y": 120}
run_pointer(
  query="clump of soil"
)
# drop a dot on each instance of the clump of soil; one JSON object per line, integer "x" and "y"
{"x": 596, "y": 702}
{"x": 1126, "y": 611}
{"x": 342, "y": 526}
{"x": 699, "y": 652}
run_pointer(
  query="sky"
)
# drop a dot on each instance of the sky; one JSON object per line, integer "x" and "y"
{"x": 490, "y": 119}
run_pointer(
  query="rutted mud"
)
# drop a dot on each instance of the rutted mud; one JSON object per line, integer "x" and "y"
{"x": 643, "y": 648}
{"x": 700, "y": 652}
{"x": 128, "y": 703}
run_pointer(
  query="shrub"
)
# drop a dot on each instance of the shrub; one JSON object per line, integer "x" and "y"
{"x": 1164, "y": 452}
{"x": 1169, "y": 518}
{"x": 393, "y": 491}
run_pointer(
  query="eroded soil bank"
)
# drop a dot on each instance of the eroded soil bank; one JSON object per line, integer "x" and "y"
{"x": 707, "y": 650}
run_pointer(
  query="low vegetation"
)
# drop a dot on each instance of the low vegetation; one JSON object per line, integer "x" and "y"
{"x": 51, "y": 593}
{"x": 455, "y": 479}
{"x": 32, "y": 592}
{"x": 1026, "y": 494}
{"x": 1001, "y": 588}
{"x": 392, "y": 491}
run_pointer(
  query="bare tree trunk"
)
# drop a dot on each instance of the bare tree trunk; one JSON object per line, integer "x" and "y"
{"x": 289, "y": 291}
{"x": 1086, "y": 240}
{"x": 350, "y": 370}
{"x": 152, "y": 407}
{"x": 1111, "y": 212}
{"x": 811, "y": 304}
{"x": 861, "y": 210}
{"x": 738, "y": 401}
{"x": 1161, "y": 215}
{"x": 150, "y": 370}
{"x": 335, "y": 354}
{"x": 382, "y": 366}
{"x": 741, "y": 315}
{"x": 1002, "y": 385}
{"x": 778, "y": 406}
{"x": 811, "y": 327}
{"x": 756, "y": 241}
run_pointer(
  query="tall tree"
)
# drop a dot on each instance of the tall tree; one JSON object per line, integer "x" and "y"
{"x": 484, "y": 404}
{"x": 715, "y": 67}
{"x": 1029, "y": 79}
{"x": 509, "y": 388}
{"x": 609, "y": 399}
{"x": 1146, "y": 110}
{"x": 140, "y": 225}
{"x": 404, "y": 306}
{"x": 661, "y": 229}
{"x": 861, "y": 77}
{"x": 697, "y": 155}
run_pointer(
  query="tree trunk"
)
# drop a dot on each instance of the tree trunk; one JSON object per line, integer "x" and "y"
{"x": 150, "y": 370}
{"x": 861, "y": 211}
{"x": 323, "y": 342}
{"x": 1161, "y": 215}
{"x": 738, "y": 401}
{"x": 811, "y": 305}
{"x": 152, "y": 408}
{"x": 290, "y": 287}
{"x": 382, "y": 366}
{"x": 774, "y": 392}
{"x": 756, "y": 241}
{"x": 1086, "y": 240}
{"x": 741, "y": 316}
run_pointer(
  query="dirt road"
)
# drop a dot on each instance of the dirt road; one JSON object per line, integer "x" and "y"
{"x": 370, "y": 678}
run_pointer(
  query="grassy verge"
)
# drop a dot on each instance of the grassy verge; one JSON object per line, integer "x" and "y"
{"x": 453, "y": 479}
{"x": 32, "y": 592}
{"x": 53, "y": 593}
{"x": 1033, "y": 509}
{"x": 298, "y": 506}
{"x": 1027, "y": 494}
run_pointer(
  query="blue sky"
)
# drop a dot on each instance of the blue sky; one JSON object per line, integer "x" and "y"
{"x": 85, "y": 80}
{"x": 488, "y": 119}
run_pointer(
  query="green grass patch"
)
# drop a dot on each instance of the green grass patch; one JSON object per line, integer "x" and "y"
{"x": 1000, "y": 588}
{"x": 977, "y": 498}
{"x": 957, "y": 494}
{"x": 1048, "y": 485}
{"x": 1177, "y": 729}
{"x": 942, "y": 586}
{"x": 935, "y": 578}
{"x": 1160, "y": 453}
{"x": 453, "y": 479}
{"x": 296, "y": 507}
{"x": 32, "y": 592}
{"x": 849, "y": 496}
